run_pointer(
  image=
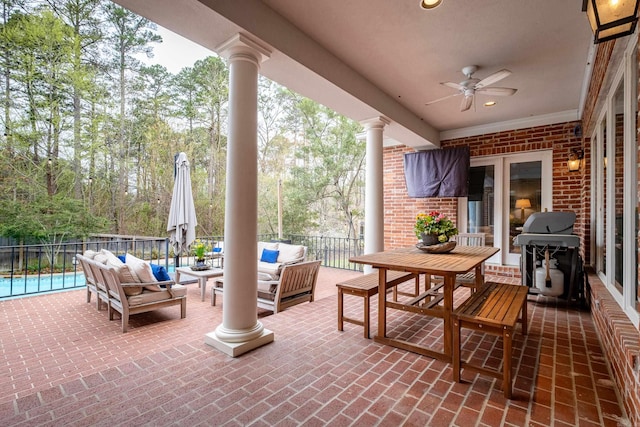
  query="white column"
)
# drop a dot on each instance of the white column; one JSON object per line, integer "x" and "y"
{"x": 374, "y": 194}
{"x": 240, "y": 330}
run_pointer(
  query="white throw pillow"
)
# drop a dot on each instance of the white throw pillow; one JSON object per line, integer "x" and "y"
{"x": 290, "y": 252}
{"x": 143, "y": 270}
{"x": 90, "y": 254}
{"x": 126, "y": 274}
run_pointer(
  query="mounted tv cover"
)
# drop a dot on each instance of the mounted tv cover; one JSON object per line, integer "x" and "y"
{"x": 438, "y": 173}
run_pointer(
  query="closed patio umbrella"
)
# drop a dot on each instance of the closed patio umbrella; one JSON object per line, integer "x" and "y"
{"x": 182, "y": 213}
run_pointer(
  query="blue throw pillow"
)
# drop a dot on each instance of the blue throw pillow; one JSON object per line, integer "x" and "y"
{"x": 269, "y": 255}
{"x": 160, "y": 273}
{"x": 122, "y": 257}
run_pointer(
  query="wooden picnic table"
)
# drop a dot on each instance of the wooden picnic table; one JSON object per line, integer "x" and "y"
{"x": 459, "y": 261}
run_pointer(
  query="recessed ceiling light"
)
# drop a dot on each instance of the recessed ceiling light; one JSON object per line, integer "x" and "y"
{"x": 430, "y": 4}
{"x": 490, "y": 103}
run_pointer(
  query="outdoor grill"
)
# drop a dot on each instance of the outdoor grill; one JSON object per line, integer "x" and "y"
{"x": 550, "y": 235}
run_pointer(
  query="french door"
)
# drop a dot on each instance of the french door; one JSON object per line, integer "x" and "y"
{"x": 503, "y": 192}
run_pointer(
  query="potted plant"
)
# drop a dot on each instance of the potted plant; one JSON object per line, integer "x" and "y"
{"x": 199, "y": 249}
{"x": 434, "y": 228}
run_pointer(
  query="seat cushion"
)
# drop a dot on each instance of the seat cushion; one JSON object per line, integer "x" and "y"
{"x": 272, "y": 269}
{"x": 266, "y": 276}
{"x": 148, "y": 296}
{"x": 267, "y": 286}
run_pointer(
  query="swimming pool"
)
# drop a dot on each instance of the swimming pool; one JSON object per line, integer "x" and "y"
{"x": 36, "y": 284}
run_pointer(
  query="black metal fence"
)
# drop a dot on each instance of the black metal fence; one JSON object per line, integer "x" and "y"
{"x": 33, "y": 269}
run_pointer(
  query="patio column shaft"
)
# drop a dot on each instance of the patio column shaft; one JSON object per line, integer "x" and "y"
{"x": 374, "y": 194}
{"x": 240, "y": 330}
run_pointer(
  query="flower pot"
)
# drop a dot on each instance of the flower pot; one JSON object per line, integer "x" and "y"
{"x": 200, "y": 262}
{"x": 429, "y": 239}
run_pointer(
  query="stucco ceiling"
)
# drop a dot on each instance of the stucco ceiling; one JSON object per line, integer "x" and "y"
{"x": 371, "y": 58}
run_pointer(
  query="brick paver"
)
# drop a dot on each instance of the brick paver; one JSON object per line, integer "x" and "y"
{"x": 64, "y": 363}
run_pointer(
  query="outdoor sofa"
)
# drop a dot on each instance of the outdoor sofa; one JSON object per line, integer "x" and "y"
{"x": 129, "y": 287}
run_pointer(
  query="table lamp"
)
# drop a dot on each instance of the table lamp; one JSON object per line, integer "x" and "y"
{"x": 523, "y": 204}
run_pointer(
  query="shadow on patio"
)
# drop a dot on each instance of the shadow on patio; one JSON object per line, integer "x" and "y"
{"x": 64, "y": 363}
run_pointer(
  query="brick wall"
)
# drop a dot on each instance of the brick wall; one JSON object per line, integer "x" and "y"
{"x": 400, "y": 210}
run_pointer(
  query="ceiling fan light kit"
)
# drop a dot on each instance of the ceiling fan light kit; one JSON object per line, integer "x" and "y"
{"x": 611, "y": 19}
{"x": 471, "y": 86}
{"x": 430, "y": 4}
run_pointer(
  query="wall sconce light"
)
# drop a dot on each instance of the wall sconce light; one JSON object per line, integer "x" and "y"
{"x": 611, "y": 19}
{"x": 523, "y": 204}
{"x": 575, "y": 160}
{"x": 430, "y": 4}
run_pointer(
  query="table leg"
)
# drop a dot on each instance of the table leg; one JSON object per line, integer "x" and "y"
{"x": 382, "y": 303}
{"x": 203, "y": 287}
{"x": 177, "y": 277}
{"x": 449, "y": 286}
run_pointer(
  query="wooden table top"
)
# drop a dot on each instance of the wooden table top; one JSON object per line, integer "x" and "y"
{"x": 460, "y": 260}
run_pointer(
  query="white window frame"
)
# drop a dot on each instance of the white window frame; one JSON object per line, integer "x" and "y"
{"x": 626, "y": 74}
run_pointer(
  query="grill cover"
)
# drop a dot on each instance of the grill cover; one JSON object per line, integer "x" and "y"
{"x": 550, "y": 223}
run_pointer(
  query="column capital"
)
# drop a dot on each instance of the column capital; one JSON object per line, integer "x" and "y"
{"x": 375, "y": 122}
{"x": 244, "y": 47}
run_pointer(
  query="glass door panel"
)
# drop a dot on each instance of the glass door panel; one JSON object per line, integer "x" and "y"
{"x": 617, "y": 162}
{"x": 480, "y": 203}
{"x": 525, "y": 196}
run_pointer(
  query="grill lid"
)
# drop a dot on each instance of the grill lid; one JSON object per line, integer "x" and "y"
{"x": 550, "y": 223}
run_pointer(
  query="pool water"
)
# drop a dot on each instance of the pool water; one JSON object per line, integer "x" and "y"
{"x": 34, "y": 284}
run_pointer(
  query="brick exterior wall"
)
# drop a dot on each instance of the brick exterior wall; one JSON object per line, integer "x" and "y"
{"x": 572, "y": 191}
{"x": 400, "y": 210}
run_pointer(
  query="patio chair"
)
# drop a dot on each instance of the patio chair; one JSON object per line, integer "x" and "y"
{"x": 466, "y": 239}
{"x": 296, "y": 284}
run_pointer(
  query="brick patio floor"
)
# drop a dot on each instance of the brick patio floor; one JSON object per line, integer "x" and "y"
{"x": 64, "y": 363}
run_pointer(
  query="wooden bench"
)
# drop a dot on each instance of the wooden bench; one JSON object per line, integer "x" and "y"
{"x": 494, "y": 309}
{"x": 366, "y": 286}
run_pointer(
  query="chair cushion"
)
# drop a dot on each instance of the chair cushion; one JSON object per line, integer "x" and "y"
{"x": 270, "y": 256}
{"x": 289, "y": 252}
{"x": 272, "y": 269}
{"x": 144, "y": 272}
{"x": 266, "y": 276}
{"x": 150, "y": 296}
{"x": 267, "y": 286}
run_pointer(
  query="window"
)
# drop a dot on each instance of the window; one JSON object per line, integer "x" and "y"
{"x": 503, "y": 192}
{"x": 615, "y": 184}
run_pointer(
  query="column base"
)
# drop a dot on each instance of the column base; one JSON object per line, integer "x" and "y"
{"x": 235, "y": 349}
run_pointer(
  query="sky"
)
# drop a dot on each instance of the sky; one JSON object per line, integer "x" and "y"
{"x": 175, "y": 52}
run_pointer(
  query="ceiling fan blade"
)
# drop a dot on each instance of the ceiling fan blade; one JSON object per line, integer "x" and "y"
{"x": 453, "y": 85}
{"x": 497, "y": 91}
{"x": 466, "y": 103}
{"x": 493, "y": 78}
{"x": 442, "y": 99}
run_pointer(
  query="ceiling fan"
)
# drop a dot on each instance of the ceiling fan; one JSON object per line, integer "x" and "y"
{"x": 472, "y": 85}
